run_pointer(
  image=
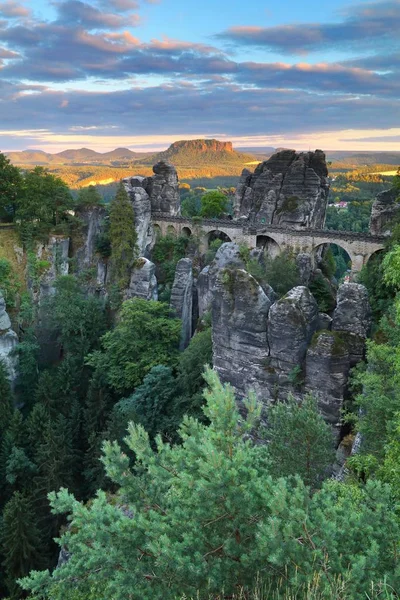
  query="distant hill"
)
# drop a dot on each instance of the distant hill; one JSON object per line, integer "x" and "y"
{"x": 79, "y": 156}
{"x": 197, "y": 153}
{"x": 359, "y": 159}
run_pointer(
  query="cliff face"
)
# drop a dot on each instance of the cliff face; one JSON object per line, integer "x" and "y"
{"x": 384, "y": 210}
{"x": 289, "y": 189}
{"x": 285, "y": 346}
{"x": 8, "y": 341}
{"x": 182, "y": 299}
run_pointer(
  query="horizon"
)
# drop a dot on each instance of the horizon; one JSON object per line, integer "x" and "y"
{"x": 144, "y": 73}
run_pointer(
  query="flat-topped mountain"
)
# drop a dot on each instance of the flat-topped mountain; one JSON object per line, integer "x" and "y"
{"x": 202, "y": 152}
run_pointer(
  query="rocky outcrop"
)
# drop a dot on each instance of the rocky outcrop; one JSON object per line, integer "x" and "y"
{"x": 143, "y": 281}
{"x": 85, "y": 247}
{"x": 239, "y": 331}
{"x": 384, "y": 210}
{"x": 327, "y": 371}
{"x": 352, "y": 316}
{"x": 182, "y": 299}
{"x": 8, "y": 342}
{"x": 135, "y": 187}
{"x": 290, "y": 189}
{"x": 163, "y": 189}
{"x": 55, "y": 253}
{"x": 304, "y": 265}
{"x": 292, "y": 322}
{"x": 228, "y": 255}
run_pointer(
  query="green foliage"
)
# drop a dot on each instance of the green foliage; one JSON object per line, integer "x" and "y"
{"x": 88, "y": 197}
{"x": 123, "y": 237}
{"x": 213, "y": 204}
{"x": 391, "y": 268}
{"x": 353, "y": 218}
{"x": 78, "y": 318}
{"x": 145, "y": 336}
{"x": 190, "y": 204}
{"x": 43, "y": 205}
{"x": 213, "y": 248}
{"x": 10, "y": 188}
{"x": 20, "y": 541}
{"x": 281, "y": 272}
{"x": 204, "y": 516}
{"x": 300, "y": 442}
{"x": 9, "y": 284}
{"x": 381, "y": 295}
{"x": 322, "y": 292}
{"x": 168, "y": 250}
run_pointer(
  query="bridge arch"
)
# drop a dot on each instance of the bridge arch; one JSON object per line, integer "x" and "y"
{"x": 171, "y": 230}
{"x": 217, "y": 234}
{"x": 186, "y": 231}
{"x": 157, "y": 230}
{"x": 268, "y": 244}
{"x": 342, "y": 256}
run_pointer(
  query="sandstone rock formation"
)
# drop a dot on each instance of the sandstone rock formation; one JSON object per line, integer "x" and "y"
{"x": 290, "y": 189}
{"x": 56, "y": 253}
{"x": 239, "y": 331}
{"x": 352, "y": 316}
{"x": 135, "y": 187}
{"x": 143, "y": 282}
{"x": 292, "y": 321}
{"x": 327, "y": 370}
{"x": 384, "y": 210}
{"x": 8, "y": 341}
{"x": 163, "y": 189}
{"x": 182, "y": 299}
{"x": 228, "y": 255}
{"x": 84, "y": 249}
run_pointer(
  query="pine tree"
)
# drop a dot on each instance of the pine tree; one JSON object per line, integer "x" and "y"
{"x": 21, "y": 543}
{"x": 123, "y": 236}
{"x": 203, "y": 518}
{"x": 300, "y": 442}
{"x": 6, "y": 400}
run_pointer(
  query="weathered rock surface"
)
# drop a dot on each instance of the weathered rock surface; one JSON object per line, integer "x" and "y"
{"x": 143, "y": 281}
{"x": 353, "y": 317}
{"x": 55, "y": 252}
{"x": 305, "y": 267}
{"x": 289, "y": 189}
{"x": 292, "y": 322}
{"x": 142, "y": 210}
{"x": 384, "y": 210}
{"x": 327, "y": 370}
{"x": 239, "y": 330}
{"x": 228, "y": 255}
{"x": 163, "y": 189}
{"x": 8, "y": 341}
{"x": 93, "y": 219}
{"x": 182, "y": 299}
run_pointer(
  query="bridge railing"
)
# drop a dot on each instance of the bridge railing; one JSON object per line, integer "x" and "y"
{"x": 250, "y": 229}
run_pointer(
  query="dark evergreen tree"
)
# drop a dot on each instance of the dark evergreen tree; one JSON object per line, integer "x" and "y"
{"x": 123, "y": 236}
{"x": 21, "y": 542}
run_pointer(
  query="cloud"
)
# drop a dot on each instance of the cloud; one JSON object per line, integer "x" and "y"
{"x": 77, "y": 13}
{"x": 12, "y": 10}
{"x": 377, "y": 22}
{"x": 373, "y": 139}
{"x": 323, "y": 77}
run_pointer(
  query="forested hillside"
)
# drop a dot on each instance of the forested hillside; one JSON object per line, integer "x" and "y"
{"x": 128, "y": 469}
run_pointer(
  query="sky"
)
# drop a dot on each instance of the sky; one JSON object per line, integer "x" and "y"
{"x": 143, "y": 73}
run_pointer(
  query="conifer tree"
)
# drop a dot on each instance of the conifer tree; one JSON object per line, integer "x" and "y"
{"x": 21, "y": 542}
{"x": 123, "y": 236}
{"x": 300, "y": 442}
{"x": 6, "y": 400}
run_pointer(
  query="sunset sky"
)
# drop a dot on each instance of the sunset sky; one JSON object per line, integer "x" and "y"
{"x": 142, "y": 74}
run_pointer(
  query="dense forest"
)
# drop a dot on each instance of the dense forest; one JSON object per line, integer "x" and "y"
{"x": 126, "y": 462}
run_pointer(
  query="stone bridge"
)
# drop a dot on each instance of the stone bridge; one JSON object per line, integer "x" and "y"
{"x": 359, "y": 246}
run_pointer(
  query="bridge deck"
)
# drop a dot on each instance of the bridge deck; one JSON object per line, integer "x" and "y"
{"x": 264, "y": 229}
